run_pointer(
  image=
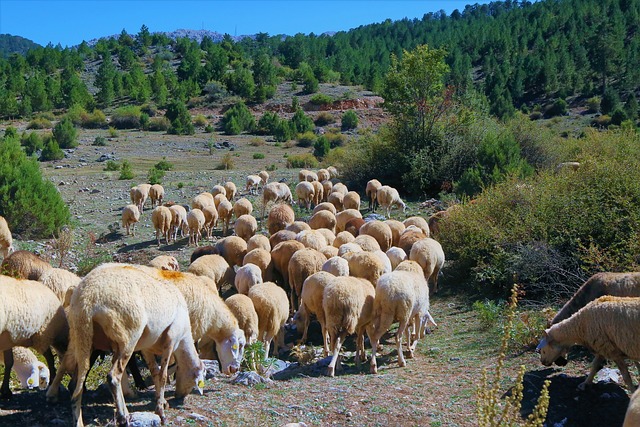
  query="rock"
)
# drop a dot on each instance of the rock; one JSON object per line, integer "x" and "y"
{"x": 144, "y": 419}
{"x": 94, "y": 191}
{"x": 211, "y": 368}
{"x": 62, "y": 183}
{"x": 374, "y": 217}
{"x": 277, "y": 366}
{"x": 198, "y": 417}
{"x": 249, "y": 379}
{"x": 105, "y": 157}
{"x": 608, "y": 375}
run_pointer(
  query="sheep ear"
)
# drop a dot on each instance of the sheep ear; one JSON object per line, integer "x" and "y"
{"x": 543, "y": 342}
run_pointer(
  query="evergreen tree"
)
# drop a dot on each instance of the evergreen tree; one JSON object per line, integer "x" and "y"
{"x": 180, "y": 119}
{"x": 104, "y": 82}
{"x": 65, "y": 133}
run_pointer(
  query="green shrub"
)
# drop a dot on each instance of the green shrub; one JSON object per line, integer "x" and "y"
{"x": 51, "y": 150}
{"x": 306, "y": 139}
{"x": 126, "y": 117}
{"x": 610, "y": 101}
{"x": 180, "y": 119}
{"x": 618, "y": 116}
{"x": 593, "y": 104}
{"x": 535, "y": 115}
{"x": 111, "y": 166}
{"x": 324, "y": 118}
{"x": 158, "y": 124}
{"x": 75, "y": 113}
{"x": 321, "y": 147}
{"x": 558, "y": 108}
{"x": 209, "y": 128}
{"x": 602, "y": 121}
{"x": 149, "y": 109}
{"x": 349, "y": 120}
{"x": 113, "y": 133}
{"x": 144, "y": 121}
{"x": 31, "y": 143}
{"x": 336, "y": 139}
{"x": 489, "y": 312}
{"x": 226, "y": 162}
{"x": 100, "y": 141}
{"x": 256, "y": 142}
{"x": 271, "y": 167}
{"x": 126, "y": 170}
{"x": 155, "y": 176}
{"x": 31, "y": 205}
{"x": 283, "y": 131}
{"x": 302, "y": 161}
{"x": 300, "y": 122}
{"x": 321, "y": 99}
{"x": 200, "y": 120}
{"x": 65, "y": 134}
{"x": 238, "y": 119}
{"x": 163, "y": 165}
{"x": 268, "y": 123}
{"x": 258, "y": 156}
{"x": 94, "y": 120}
{"x": 40, "y": 123}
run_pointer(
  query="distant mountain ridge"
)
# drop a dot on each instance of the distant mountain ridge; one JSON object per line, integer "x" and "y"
{"x": 196, "y": 35}
{"x": 15, "y": 44}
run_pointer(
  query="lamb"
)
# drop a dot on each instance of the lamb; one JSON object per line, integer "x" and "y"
{"x": 312, "y": 239}
{"x": 351, "y": 200}
{"x": 252, "y": 183}
{"x": 245, "y": 227}
{"x": 344, "y": 216}
{"x": 59, "y": 281}
{"x": 429, "y": 254}
{"x": 281, "y": 254}
{"x": 195, "y": 220}
{"x": 342, "y": 238}
{"x": 272, "y": 306}
{"x": 327, "y": 186}
{"x": 202, "y": 200}
{"x": 318, "y": 192}
{"x": 333, "y": 172}
{"x": 24, "y": 265}
{"x": 218, "y": 189}
{"x": 388, "y": 197}
{"x": 233, "y": 249}
{"x": 280, "y": 216}
{"x": 347, "y": 303}
{"x": 258, "y": 241}
{"x": 311, "y": 304}
{"x": 281, "y": 236}
{"x": 325, "y": 206}
{"x": 130, "y": 217}
{"x": 178, "y": 220}
{"x": 305, "y": 193}
{"x": 397, "y": 228}
{"x": 230, "y": 190}
{"x": 298, "y": 226}
{"x": 247, "y": 277}
{"x": 161, "y": 218}
{"x": 261, "y": 258}
{"x": 303, "y": 263}
{"x": 264, "y": 175}
{"x": 379, "y": 231}
{"x": 214, "y": 267}
{"x": 121, "y": 307}
{"x": 225, "y": 211}
{"x": 367, "y": 243}
{"x": 30, "y": 371}
{"x": 323, "y": 175}
{"x": 419, "y": 222}
{"x": 210, "y": 219}
{"x": 337, "y": 266}
{"x": 365, "y": 265}
{"x": 242, "y": 308}
{"x": 410, "y": 235}
{"x": 274, "y": 192}
{"x": 156, "y": 194}
{"x": 396, "y": 256}
{"x": 607, "y": 326}
{"x": 165, "y": 262}
{"x": 241, "y": 207}
{"x": 371, "y": 192}
{"x": 139, "y": 195}
{"x": 337, "y": 200}
{"x": 6, "y": 241}
{"x": 43, "y": 326}
{"x": 401, "y": 296}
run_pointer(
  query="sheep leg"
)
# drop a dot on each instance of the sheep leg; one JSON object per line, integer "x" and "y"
{"x": 114, "y": 381}
{"x": 82, "y": 359}
{"x": 51, "y": 361}
{"x": 135, "y": 373}
{"x": 325, "y": 339}
{"x": 402, "y": 326}
{"x": 596, "y": 365}
{"x": 159, "y": 375}
{"x": 337, "y": 344}
{"x": 5, "y": 391}
{"x": 374, "y": 338}
{"x": 622, "y": 365}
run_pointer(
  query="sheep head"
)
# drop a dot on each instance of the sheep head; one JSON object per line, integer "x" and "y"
{"x": 190, "y": 377}
{"x": 551, "y": 352}
{"x": 231, "y": 351}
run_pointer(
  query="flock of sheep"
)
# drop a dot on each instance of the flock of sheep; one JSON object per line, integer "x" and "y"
{"x": 353, "y": 276}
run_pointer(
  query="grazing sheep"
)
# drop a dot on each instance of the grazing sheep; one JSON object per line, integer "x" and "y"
{"x": 379, "y": 231}
{"x": 328, "y": 235}
{"x": 337, "y": 266}
{"x": 165, "y": 262}
{"x": 318, "y": 192}
{"x": 408, "y": 265}
{"x": 312, "y": 239}
{"x": 396, "y": 256}
{"x": 351, "y": 200}
{"x": 113, "y": 308}
{"x": 348, "y": 248}
{"x": 607, "y": 326}
{"x": 233, "y": 249}
{"x": 241, "y": 207}
{"x": 281, "y": 236}
{"x": 419, "y": 222}
{"x": 337, "y": 200}
{"x": 303, "y": 264}
{"x": 397, "y": 228}
{"x": 567, "y": 166}
{"x": 409, "y": 236}
{"x": 333, "y": 172}
{"x": 323, "y": 175}
{"x": 156, "y": 194}
{"x": 386, "y": 262}
{"x": 161, "y": 218}
{"x": 311, "y": 176}
{"x": 402, "y": 297}
{"x": 202, "y": 251}
{"x": 324, "y": 206}
{"x": 202, "y": 200}
{"x": 6, "y": 241}
{"x": 302, "y": 175}
{"x": 195, "y": 220}
{"x": 329, "y": 251}
{"x": 251, "y": 184}
{"x": 264, "y": 175}
{"x": 214, "y": 267}
{"x": 388, "y": 197}
{"x": 272, "y": 306}
{"x": 311, "y": 304}
{"x": 178, "y": 220}
{"x": 210, "y": 219}
{"x": 298, "y": 226}
{"x": 258, "y": 241}
{"x": 305, "y": 193}
{"x": 24, "y": 265}
{"x": 230, "y": 190}
{"x": 247, "y": 277}
{"x": 30, "y": 371}
{"x": 632, "y": 417}
{"x": 281, "y": 255}
{"x": 429, "y": 254}
{"x": 327, "y": 186}
{"x": 353, "y": 226}
{"x": 347, "y": 303}
{"x": 140, "y": 194}
{"x": 371, "y": 192}
{"x": 366, "y": 265}
{"x": 342, "y": 238}
{"x": 59, "y": 281}
{"x": 31, "y": 315}
{"x": 280, "y": 216}
{"x": 225, "y": 211}
{"x": 275, "y": 192}
{"x": 343, "y": 217}
{"x": 261, "y": 258}
{"x": 130, "y": 217}
{"x": 219, "y": 198}
{"x": 367, "y": 243}
{"x": 340, "y": 188}
{"x": 245, "y": 227}
{"x": 242, "y": 308}
{"x": 218, "y": 189}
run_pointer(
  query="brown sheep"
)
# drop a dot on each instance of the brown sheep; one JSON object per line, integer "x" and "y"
{"x": 245, "y": 227}
{"x": 379, "y": 231}
{"x": 233, "y": 249}
{"x": 303, "y": 264}
{"x": 323, "y": 219}
{"x": 24, "y": 265}
{"x": 258, "y": 241}
{"x": 397, "y": 228}
{"x": 281, "y": 254}
{"x": 344, "y": 216}
{"x": 280, "y": 216}
{"x": 156, "y": 194}
{"x": 261, "y": 258}
{"x": 210, "y": 219}
{"x": 281, "y": 236}
{"x": 351, "y": 200}
{"x": 419, "y": 222}
{"x": 342, "y": 238}
{"x": 429, "y": 254}
{"x": 353, "y": 226}
{"x": 225, "y": 211}
{"x": 195, "y": 220}
{"x": 298, "y": 226}
{"x": 336, "y": 199}
{"x": 367, "y": 243}
{"x": 275, "y": 192}
{"x": 130, "y": 217}
{"x": 327, "y": 186}
{"x": 318, "y": 192}
{"x": 325, "y": 206}
{"x": 365, "y": 265}
{"x": 230, "y": 190}
{"x": 409, "y": 237}
{"x": 370, "y": 191}
{"x": 241, "y": 207}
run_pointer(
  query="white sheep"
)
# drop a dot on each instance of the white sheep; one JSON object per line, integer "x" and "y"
{"x": 419, "y": 222}
{"x": 388, "y": 197}
{"x": 156, "y": 194}
{"x": 213, "y": 266}
{"x": 202, "y": 200}
{"x": 366, "y": 265}
{"x": 333, "y": 172}
{"x": 429, "y": 254}
{"x": 133, "y": 312}
{"x": 258, "y": 241}
{"x": 195, "y": 220}
{"x": 247, "y": 277}
{"x": 241, "y": 207}
{"x": 607, "y": 326}
{"x": 340, "y": 188}
{"x": 272, "y": 305}
{"x": 305, "y": 194}
{"x": 161, "y": 218}
{"x": 351, "y": 200}
{"x": 264, "y": 175}
{"x": 6, "y": 241}
{"x": 371, "y": 192}
{"x": 230, "y": 190}
{"x": 219, "y": 198}
{"x": 178, "y": 220}
{"x": 210, "y": 219}
{"x": 337, "y": 266}
{"x": 245, "y": 313}
{"x": 312, "y": 239}
{"x": 251, "y": 184}
{"x": 30, "y": 371}
{"x": 130, "y": 217}
{"x": 311, "y": 305}
{"x": 347, "y": 303}
{"x": 245, "y": 227}
{"x": 343, "y": 237}
{"x": 139, "y": 195}
{"x": 165, "y": 262}
{"x": 59, "y": 281}
{"x": 367, "y": 243}
{"x": 225, "y": 212}
{"x": 275, "y": 192}
{"x": 348, "y": 248}
{"x": 329, "y": 235}
{"x": 262, "y": 258}
{"x": 218, "y": 189}
{"x": 396, "y": 256}
{"x": 318, "y": 192}
{"x": 397, "y": 228}
{"x": 323, "y": 175}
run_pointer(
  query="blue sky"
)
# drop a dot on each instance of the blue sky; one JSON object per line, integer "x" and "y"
{"x": 70, "y": 22}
